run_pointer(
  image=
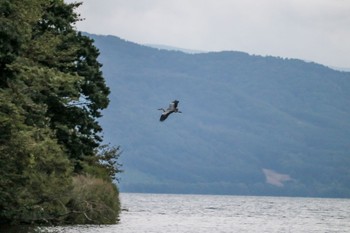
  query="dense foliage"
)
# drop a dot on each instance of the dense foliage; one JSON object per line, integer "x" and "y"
{"x": 51, "y": 93}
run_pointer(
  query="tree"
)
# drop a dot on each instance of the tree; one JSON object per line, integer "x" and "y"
{"x": 74, "y": 120}
{"x": 35, "y": 173}
{"x": 51, "y": 94}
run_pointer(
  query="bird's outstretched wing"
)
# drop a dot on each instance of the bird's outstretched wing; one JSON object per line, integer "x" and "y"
{"x": 173, "y": 105}
{"x": 164, "y": 116}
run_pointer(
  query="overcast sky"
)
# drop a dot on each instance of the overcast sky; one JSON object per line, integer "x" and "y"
{"x": 312, "y": 30}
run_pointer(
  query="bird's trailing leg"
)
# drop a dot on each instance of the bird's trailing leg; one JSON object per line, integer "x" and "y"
{"x": 161, "y": 109}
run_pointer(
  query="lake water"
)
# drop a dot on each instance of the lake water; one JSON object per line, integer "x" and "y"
{"x": 164, "y": 213}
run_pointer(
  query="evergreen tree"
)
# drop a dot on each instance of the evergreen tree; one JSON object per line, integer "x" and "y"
{"x": 51, "y": 94}
{"x": 74, "y": 120}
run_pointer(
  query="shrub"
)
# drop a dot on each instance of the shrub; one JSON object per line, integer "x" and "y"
{"x": 94, "y": 201}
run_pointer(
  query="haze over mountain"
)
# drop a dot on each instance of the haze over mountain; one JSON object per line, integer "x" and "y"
{"x": 249, "y": 125}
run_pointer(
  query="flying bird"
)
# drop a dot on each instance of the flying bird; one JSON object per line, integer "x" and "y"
{"x": 172, "y": 108}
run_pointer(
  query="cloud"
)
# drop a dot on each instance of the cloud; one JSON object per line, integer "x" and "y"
{"x": 312, "y": 30}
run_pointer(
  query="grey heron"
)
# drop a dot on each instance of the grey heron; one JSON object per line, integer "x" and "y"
{"x": 172, "y": 108}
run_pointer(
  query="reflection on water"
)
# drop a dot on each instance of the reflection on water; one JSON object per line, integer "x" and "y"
{"x": 206, "y": 214}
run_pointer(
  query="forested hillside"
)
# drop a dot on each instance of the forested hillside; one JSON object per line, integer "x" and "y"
{"x": 249, "y": 125}
{"x": 54, "y": 169}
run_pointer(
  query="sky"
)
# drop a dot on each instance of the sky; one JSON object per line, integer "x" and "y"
{"x": 311, "y": 30}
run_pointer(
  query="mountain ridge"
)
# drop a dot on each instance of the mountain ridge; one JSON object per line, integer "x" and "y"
{"x": 250, "y": 125}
